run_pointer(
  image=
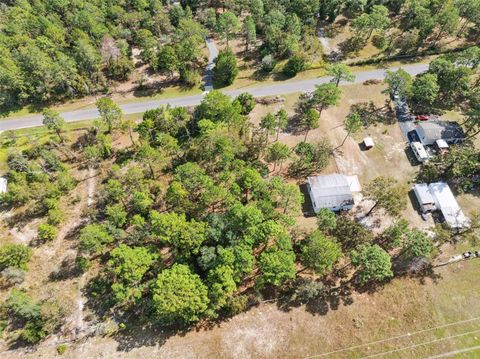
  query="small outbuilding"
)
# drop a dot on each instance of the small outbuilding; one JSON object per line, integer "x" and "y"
{"x": 332, "y": 191}
{"x": 368, "y": 143}
{"x": 3, "y": 185}
{"x": 430, "y": 131}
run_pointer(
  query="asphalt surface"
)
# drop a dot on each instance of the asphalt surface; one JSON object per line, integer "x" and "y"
{"x": 405, "y": 119}
{"x": 258, "y": 91}
{"x": 213, "y": 53}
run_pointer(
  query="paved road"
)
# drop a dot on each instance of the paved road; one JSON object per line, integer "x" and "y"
{"x": 258, "y": 91}
{"x": 213, "y": 53}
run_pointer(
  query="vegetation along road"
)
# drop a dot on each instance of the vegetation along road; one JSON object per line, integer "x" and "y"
{"x": 139, "y": 107}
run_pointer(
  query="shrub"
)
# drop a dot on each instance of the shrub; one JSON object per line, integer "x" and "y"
{"x": 33, "y": 332}
{"x": 14, "y": 255}
{"x": 12, "y": 276}
{"x": 268, "y": 63}
{"x": 55, "y": 217}
{"x": 47, "y": 232}
{"x": 189, "y": 77}
{"x": 61, "y": 349}
{"x": 295, "y": 64}
{"x": 82, "y": 264}
{"x": 236, "y": 305}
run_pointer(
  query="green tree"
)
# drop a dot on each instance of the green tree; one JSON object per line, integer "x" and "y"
{"x": 425, "y": 90}
{"x": 247, "y": 102}
{"x": 310, "y": 121}
{"x": 277, "y": 153}
{"x": 417, "y": 244}
{"x": 221, "y": 285}
{"x": 268, "y": 123}
{"x": 325, "y": 96}
{"x": 351, "y": 234}
{"x": 110, "y": 112}
{"x": 320, "y": 253}
{"x": 225, "y": 70}
{"x": 398, "y": 83}
{"x": 340, "y": 72}
{"x": 227, "y": 25}
{"x": 326, "y": 220}
{"x": 249, "y": 32}
{"x": 373, "y": 264}
{"x": 296, "y": 63}
{"x": 281, "y": 121}
{"x": 54, "y": 122}
{"x": 388, "y": 194}
{"x": 167, "y": 60}
{"x": 14, "y": 255}
{"x": 128, "y": 265}
{"x": 173, "y": 229}
{"x": 93, "y": 238}
{"x": 277, "y": 266}
{"x": 353, "y": 123}
{"x": 116, "y": 215}
{"x": 179, "y": 295}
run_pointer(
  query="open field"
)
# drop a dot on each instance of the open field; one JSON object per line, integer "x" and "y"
{"x": 408, "y": 318}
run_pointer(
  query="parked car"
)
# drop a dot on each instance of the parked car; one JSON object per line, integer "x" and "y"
{"x": 419, "y": 151}
{"x": 467, "y": 255}
{"x": 477, "y": 253}
{"x": 422, "y": 117}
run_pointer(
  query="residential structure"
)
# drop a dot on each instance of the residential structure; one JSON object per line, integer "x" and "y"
{"x": 439, "y": 196}
{"x": 424, "y": 198}
{"x": 445, "y": 202}
{"x": 334, "y": 191}
{"x": 430, "y": 131}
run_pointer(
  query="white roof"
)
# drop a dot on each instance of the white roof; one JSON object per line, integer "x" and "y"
{"x": 330, "y": 191}
{"x": 420, "y": 149}
{"x": 3, "y": 185}
{"x": 442, "y": 144}
{"x": 354, "y": 183}
{"x": 368, "y": 141}
{"x": 446, "y": 202}
{"x": 423, "y": 194}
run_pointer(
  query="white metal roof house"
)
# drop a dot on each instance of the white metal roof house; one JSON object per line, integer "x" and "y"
{"x": 332, "y": 191}
{"x": 3, "y": 185}
{"x": 430, "y": 131}
{"x": 424, "y": 198}
{"x": 445, "y": 202}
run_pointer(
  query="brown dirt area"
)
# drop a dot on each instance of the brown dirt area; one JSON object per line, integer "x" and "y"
{"x": 406, "y": 305}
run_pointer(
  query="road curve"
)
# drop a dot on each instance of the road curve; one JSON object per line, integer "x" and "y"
{"x": 257, "y": 91}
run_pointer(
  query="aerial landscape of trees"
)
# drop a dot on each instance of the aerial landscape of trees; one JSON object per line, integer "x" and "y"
{"x": 199, "y": 213}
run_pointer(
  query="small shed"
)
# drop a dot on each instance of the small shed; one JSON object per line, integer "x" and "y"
{"x": 430, "y": 131}
{"x": 3, "y": 185}
{"x": 445, "y": 202}
{"x": 330, "y": 191}
{"x": 441, "y": 146}
{"x": 368, "y": 143}
{"x": 424, "y": 198}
